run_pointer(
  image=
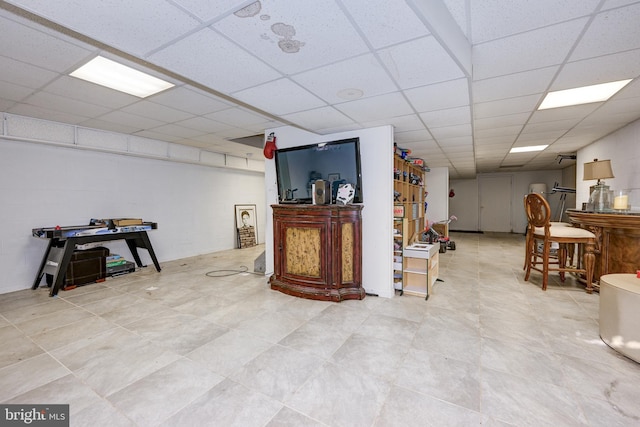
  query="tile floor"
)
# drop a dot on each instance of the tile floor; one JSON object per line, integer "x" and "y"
{"x": 180, "y": 348}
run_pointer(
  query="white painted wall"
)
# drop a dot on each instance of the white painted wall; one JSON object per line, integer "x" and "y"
{"x": 376, "y": 153}
{"x": 623, "y": 149}
{"x": 437, "y": 187}
{"x": 465, "y": 204}
{"x": 43, "y": 185}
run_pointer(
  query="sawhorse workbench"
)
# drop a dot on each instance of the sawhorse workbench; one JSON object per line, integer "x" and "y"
{"x": 63, "y": 241}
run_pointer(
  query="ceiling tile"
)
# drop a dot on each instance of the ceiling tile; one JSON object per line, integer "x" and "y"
{"x": 502, "y": 140}
{"x": 565, "y": 113}
{"x": 234, "y": 133}
{"x": 327, "y": 82}
{"x": 619, "y": 112}
{"x": 204, "y": 56}
{"x": 156, "y": 111}
{"x": 383, "y": 27}
{"x": 203, "y": 125}
{"x": 539, "y": 138}
{"x": 286, "y": 63}
{"x": 554, "y": 126}
{"x": 592, "y": 131}
{"x": 451, "y": 131}
{"x": 376, "y": 108}
{"x": 506, "y": 106}
{"x": 66, "y": 105}
{"x": 611, "y": 31}
{"x": 447, "y": 117}
{"x": 319, "y": 118}
{"x": 338, "y": 129}
{"x": 612, "y": 4}
{"x": 157, "y": 136}
{"x": 534, "y": 49}
{"x": 11, "y": 92}
{"x": 128, "y": 119}
{"x": 401, "y": 123}
{"x": 517, "y": 16}
{"x": 117, "y": 22}
{"x": 631, "y": 90}
{"x": 210, "y": 139}
{"x": 456, "y": 141}
{"x": 177, "y": 131}
{"x": 5, "y": 103}
{"x": 620, "y": 66}
{"x": 413, "y": 136}
{"x": 45, "y": 113}
{"x": 190, "y": 100}
{"x": 24, "y": 74}
{"x": 500, "y": 121}
{"x": 110, "y": 126}
{"x": 419, "y": 62}
{"x": 207, "y": 10}
{"x": 268, "y": 97}
{"x": 295, "y": 36}
{"x": 512, "y": 85}
{"x": 25, "y": 44}
{"x": 238, "y": 116}
{"x": 439, "y": 96}
{"x": 507, "y": 131}
{"x": 82, "y": 90}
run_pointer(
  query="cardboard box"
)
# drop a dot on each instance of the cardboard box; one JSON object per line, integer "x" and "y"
{"x": 123, "y": 222}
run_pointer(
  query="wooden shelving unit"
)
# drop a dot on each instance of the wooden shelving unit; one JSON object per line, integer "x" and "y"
{"x": 399, "y": 233}
{"x": 409, "y": 198}
{"x": 408, "y": 186}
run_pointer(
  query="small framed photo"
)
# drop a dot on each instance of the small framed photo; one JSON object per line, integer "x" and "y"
{"x": 333, "y": 177}
{"x": 246, "y": 225}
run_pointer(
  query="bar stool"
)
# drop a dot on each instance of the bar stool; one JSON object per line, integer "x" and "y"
{"x": 540, "y": 230}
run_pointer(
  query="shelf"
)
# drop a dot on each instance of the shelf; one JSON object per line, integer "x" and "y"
{"x": 417, "y": 290}
{"x": 415, "y": 271}
{"x": 408, "y": 220}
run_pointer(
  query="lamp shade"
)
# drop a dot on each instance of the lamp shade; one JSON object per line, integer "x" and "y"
{"x": 597, "y": 170}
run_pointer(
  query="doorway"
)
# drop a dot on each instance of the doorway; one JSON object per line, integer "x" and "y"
{"x": 494, "y": 201}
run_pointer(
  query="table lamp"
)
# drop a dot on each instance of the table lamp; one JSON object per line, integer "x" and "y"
{"x": 600, "y": 200}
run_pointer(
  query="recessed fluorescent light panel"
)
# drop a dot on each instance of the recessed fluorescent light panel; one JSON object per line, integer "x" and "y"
{"x": 582, "y": 95}
{"x": 113, "y": 75}
{"x": 528, "y": 149}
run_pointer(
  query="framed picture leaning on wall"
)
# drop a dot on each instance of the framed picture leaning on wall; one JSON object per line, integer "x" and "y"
{"x": 246, "y": 225}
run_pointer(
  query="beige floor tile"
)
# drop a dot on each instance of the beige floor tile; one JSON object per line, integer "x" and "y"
{"x": 205, "y": 342}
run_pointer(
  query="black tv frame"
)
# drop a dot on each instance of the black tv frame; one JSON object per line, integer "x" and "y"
{"x": 355, "y": 141}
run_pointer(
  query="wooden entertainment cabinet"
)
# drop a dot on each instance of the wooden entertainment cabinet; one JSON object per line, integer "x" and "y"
{"x": 318, "y": 251}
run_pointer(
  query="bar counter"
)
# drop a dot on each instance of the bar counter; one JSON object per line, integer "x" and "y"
{"x": 617, "y": 239}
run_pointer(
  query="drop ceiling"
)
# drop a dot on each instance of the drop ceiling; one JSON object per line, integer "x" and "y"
{"x": 459, "y": 80}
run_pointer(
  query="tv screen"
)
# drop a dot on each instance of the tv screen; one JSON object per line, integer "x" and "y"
{"x": 297, "y": 168}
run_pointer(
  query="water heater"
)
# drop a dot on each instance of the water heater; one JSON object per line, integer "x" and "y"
{"x": 540, "y": 188}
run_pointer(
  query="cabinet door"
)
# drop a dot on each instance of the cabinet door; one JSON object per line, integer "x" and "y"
{"x": 303, "y": 253}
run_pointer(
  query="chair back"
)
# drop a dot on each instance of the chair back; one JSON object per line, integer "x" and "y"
{"x": 538, "y": 210}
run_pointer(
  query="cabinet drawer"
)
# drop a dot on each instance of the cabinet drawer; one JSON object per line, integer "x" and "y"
{"x": 421, "y": 250}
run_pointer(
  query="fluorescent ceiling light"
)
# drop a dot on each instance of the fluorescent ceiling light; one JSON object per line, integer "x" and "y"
{"x": 582, "y": 95}
{"x": 111, "y": 74}
{"x": 527, "y": 149}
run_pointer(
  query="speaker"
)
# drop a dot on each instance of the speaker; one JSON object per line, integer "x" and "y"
{"x": 321, "y": 192}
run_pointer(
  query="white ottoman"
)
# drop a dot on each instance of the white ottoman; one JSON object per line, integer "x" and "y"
{"x": 620, "y": 313}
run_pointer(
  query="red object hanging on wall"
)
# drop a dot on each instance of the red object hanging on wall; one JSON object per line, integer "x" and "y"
{"x": 270, "y": 146}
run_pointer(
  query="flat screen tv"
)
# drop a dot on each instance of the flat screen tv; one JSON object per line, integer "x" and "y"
{"x": 297, "y": 168}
